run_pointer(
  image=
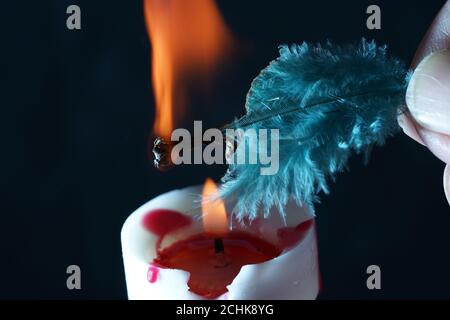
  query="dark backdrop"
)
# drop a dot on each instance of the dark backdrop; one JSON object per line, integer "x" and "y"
{"x": 76, "y": 113}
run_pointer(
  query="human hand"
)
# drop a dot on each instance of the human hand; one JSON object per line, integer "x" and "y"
{"x": 428, "y": 96}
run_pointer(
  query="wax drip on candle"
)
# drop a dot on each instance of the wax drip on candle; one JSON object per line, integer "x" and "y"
{"x": 290, "y": 236}
{"x": 163, "y": 221}
{"x": 152, "y": 273}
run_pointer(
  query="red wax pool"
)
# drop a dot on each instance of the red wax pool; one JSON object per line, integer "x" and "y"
{"x": 211, "y": 272}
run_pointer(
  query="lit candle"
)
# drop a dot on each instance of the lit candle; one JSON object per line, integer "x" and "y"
{"x": 171, "y": 253}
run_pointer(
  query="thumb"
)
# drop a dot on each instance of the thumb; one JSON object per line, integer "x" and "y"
{"x": 428, "y": 100}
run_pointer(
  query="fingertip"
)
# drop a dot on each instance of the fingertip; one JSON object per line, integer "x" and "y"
{"x": 437, "y": 143}
{"x": 408, "y": 127}
{"x": 428, "y": 96}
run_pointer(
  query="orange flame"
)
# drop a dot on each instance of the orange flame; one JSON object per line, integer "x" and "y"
{"x": 214, "y": 214}
{"x": 187, "y": 37}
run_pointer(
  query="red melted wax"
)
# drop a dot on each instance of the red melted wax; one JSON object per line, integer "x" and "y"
{"x": 196, "y": 254}
{"x": 208, "y": 276}
{"x": 290, "y": 236}
{"x": 164, "y": 221}
{"x": 152, "y": 273}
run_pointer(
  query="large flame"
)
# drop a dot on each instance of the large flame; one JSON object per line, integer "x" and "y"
{"x": 215, "y": 219}
{"x": 188, "y": 37}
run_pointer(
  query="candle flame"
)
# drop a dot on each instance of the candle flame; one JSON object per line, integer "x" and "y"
{"x": 215, "y": 219}
{"x": 187, "y": 38}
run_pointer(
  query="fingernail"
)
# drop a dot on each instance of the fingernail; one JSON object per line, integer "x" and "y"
{"x": 428, "y": 94}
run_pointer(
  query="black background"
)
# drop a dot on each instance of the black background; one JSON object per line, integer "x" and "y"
{"x": 76, "y": 115}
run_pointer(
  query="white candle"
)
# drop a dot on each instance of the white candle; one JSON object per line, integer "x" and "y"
{"x": 294, "y": 274}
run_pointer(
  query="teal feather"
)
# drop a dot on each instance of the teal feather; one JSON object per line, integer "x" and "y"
{"x": 327, "y": 101}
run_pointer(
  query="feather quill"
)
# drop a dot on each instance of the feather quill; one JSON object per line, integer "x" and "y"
{"x": 327, "y": 101}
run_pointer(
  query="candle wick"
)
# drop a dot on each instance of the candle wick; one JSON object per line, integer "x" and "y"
{"x": 220, "y": 259}
{"x": 218, "y": 246}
